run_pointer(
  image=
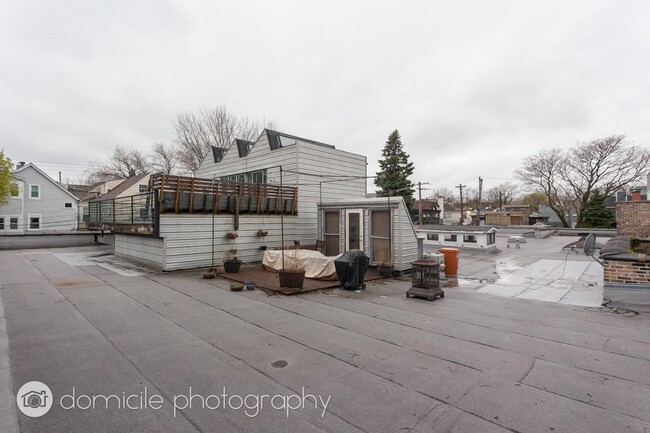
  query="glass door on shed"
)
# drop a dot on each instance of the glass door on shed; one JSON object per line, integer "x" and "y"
{"x": 354, "y": 229}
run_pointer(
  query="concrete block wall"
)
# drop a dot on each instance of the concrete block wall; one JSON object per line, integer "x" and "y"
{"x": 633, "y": 218}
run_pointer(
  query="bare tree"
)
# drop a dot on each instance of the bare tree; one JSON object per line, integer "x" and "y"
{"x": 534, "y": 200}
{"x": 192, "y": 140}
{"x": 569, "y": 178}
{"x": 502, "y": 194}
{"x": 606, "y": 164}
{"x": 446, "y": 193}
{"x": 542, "y": 172}
{"x": 196, "y": 134}
{"x": 122, "y": 163}
{"x": 164, "y": 159}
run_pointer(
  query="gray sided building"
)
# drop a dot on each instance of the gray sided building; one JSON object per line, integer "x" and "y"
{"x": 38, "y": 204}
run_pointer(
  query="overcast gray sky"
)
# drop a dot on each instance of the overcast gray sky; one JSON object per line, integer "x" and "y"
{"x": 472, "y": 86}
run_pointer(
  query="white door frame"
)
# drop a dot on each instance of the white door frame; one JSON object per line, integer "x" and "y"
{"x": 349, "y": 212}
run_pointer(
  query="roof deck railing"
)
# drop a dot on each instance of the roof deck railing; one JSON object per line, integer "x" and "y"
{"x": 188, "y": 195}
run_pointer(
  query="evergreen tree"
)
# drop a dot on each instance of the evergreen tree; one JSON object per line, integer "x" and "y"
{"x": 395, "y": 169}
{"x": 596, "y": 215}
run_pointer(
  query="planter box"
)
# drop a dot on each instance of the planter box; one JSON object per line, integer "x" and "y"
{"x": 291, "y": 279}
{"x": 231, "y": 266}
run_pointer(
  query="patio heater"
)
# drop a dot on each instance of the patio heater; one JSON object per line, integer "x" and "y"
{"x": 425, "y": 280}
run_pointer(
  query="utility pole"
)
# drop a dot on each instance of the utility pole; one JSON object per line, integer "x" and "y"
{"x": 460, "y": 187}
{"x": 480, "y": 196}
{"x": 500, "y": 200}
{"x": 420, "y": 216}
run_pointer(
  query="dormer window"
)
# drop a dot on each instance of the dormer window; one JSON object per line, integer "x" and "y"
{"x": 218, "y": 153}
{"x": 243, "y": 147}
{"x": 277, "y": 140}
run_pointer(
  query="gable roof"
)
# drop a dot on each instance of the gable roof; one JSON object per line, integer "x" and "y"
{"x": 128, "y": 183}
{"x": 42, "y": 173}
{"x": 427, "y": 204}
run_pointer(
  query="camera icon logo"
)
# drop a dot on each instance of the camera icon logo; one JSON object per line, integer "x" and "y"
{"x": 34, "y": 399}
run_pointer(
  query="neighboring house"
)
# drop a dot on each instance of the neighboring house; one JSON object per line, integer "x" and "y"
{"x": 132, "y": 185}
{"x": 431, "y": 210}
{"x": 451, "y": 213}
{"x": 40, "y": 204}
{"x": 505, "y": 219}
{"x": 477, "y": 237}
{"x": 524, "y": 210}
{"x": 112, "y": 189}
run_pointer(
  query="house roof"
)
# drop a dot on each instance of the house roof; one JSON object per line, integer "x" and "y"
{"x": 128, "y": 183}
{"x": 427, "y": 204}
{"x": 42, "y": 173}
{"x": 80, "y": 191}
{"x": 450, "y": 207}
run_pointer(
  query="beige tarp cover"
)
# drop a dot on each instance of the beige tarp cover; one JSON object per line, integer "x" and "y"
{"x": 316, "y": 265}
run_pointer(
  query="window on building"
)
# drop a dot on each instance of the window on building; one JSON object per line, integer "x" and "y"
{"x": 244, "y": 147}
{"x": 34, "y": 222}
{"x": 432, "y": 236}
{"x": 451, "y": 238}
{"x": 2, "y": 223}
{"x": 258, "y": 176}
{"x": 277, "y": 141}
{"x": 470, "y": 239}
{"x": 13, "y": 223}
{"x": 218, "y": 153}
{"x": 491, "y": 238}
{"x": 331, "y": 233}
{"x": 143, "y": 188}
{"x": 67, "y": 204}
{"x": 14, "y": 190}
{"x": 34, "y": 191}
{"x": 380, "y": 237}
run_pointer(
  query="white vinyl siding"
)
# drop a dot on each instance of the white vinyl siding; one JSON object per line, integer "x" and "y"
{"x": 302, "y": 164}
{"x": 140, "y": 249}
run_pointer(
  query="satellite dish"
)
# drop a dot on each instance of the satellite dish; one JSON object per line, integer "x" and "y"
{"x": 590, "y": 243}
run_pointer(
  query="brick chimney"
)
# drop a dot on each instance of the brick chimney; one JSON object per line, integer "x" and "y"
{"x": 636, "y": 195}
{"x": 21, "y": 164}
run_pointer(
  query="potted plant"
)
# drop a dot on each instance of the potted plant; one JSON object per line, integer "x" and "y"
{"x": 210, "y": 273}
{"x": 231, "y": 262}
{"x": 262, "y": 233}
{"x": 292, "y": 275}
{"x": 231, "y": 235}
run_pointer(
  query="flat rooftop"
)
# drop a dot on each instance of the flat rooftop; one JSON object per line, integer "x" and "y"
{"x": 471, "y": 362}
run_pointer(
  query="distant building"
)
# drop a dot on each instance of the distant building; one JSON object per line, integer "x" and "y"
{"x": 478, "y": 237}
{"x": 431, "y": 210}
{"x": 38, "y": 204}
